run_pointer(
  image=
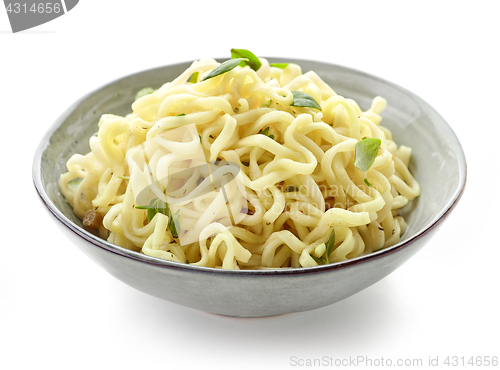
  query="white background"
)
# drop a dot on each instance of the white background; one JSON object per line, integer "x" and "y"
{"x": 59, "y": 310}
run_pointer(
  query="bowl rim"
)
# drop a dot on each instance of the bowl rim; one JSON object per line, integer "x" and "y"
{"x": 137, "y": 256}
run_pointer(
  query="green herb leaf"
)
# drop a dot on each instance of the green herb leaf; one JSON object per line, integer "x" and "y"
{"x": 267, "y": 105}
{"x": 320, "y": 260}
{"x": 95, "y": 134}
{"x": 143, "y": 92}
{"x": 181, "y": 114}
{"x": 224, "y": 67}
{"x": 367, "y": 183}
{"x": 174, "y": 224}
{"x": 194, "y": 77}
{"x": 279, "y": 65}
{"x": 366, "y": 152}
{"x": 252, "y": 61}
{"x": 236, "y": 110}
{"x": 159, "y": 206}
{"x": 266, "y": 132}
{"x": 155, "y": 206}
{"x": 301, "y": 99}
{"x": 329, "y": 245}
{"x": 324, "y": 260}
{"x": 73, "y": 184}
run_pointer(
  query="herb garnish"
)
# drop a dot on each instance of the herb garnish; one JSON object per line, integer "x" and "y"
{"x": 194, "y": 77}
{"x": 181, "y": 114}
{"x": 73, "y": 184}
{"x": 155, "y": 206}
{"x": 367, "y": 183}
{"x": 224, "y": 67}
{"x": 329, "y": 248}
{"x": 266, "y": 132}
{"x": 366, "y": 152}
{"x": 279, "y": 65}
{"x": 143, "y": 92}
{"x": 301, "y": 99}
{"x": 266, "y": 105}
{"x": 251, "y": 60}
{"x": 174, "y": 225}
{"x": 159, "y": 206}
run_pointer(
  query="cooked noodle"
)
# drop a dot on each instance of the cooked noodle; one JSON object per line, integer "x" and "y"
{"x": 296, "y": 165}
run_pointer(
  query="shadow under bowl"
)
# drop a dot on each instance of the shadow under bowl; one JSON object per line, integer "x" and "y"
{"x": 438, "y": 163}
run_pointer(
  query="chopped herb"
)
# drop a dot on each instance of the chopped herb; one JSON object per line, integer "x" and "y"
{"x": 301, "y": 99}
{"x": 95, "y": 133}
{"x": 267, "y": 105}
{"x": 174, "y": 225}
{"x": 200, "y": 137}
{"x": 266, "y": 133}
{"x": 143, "y": 92}
{"x": 366, "y": 152}
{"x": 124, "y": 177}
{"x": 329, "y": 249}
{"x": 73, "y": 184}
{"x": 251, "y": 60}
{"x": 159, "y": 206}
{"x": 236, "y": 110}
{"x": 155, "y": 206}
{"x": 181, "y": 114}
{"x": 194, "y": 77}
{"x": 224, "y": 67}
{"x": 291, "y": 188}
{"x": 187, "y": 261}
{"x": 329, "y": 246}
{"x": 367, "y": 182}
{"x": 279, "y": 65}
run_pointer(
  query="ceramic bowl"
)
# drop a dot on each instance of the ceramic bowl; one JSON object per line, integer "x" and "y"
{"x": 438, "y": 163}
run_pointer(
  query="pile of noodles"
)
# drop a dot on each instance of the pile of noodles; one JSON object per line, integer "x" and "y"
{"x": 296, "y": 165}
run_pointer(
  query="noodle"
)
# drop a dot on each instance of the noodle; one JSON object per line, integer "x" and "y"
{"x": 229, "y": 172}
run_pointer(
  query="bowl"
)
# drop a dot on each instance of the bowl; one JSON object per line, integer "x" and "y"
{"x": 438, "y": 163}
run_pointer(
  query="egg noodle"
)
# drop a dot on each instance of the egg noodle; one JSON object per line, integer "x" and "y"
{"x": 297, "y": 198}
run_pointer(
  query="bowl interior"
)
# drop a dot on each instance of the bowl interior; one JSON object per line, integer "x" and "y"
{"x": 437, "y": 158}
